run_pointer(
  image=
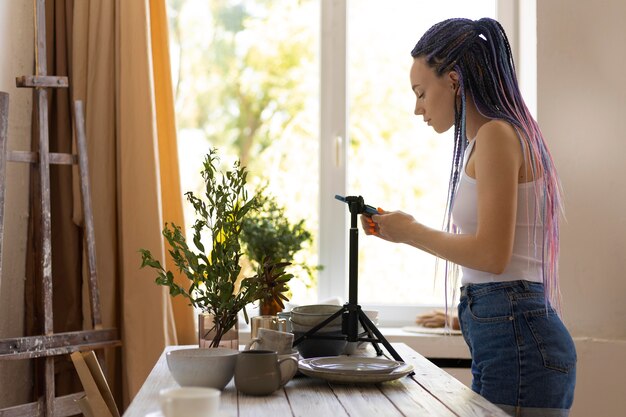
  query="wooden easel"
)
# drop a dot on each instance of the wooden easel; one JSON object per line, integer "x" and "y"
{"x": 50, "y": 344}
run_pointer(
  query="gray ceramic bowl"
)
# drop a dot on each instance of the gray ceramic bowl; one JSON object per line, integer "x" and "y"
{"x": 295, "y": 327}
{"x": 202, "y": 367}
{"x": 311, "y": 315}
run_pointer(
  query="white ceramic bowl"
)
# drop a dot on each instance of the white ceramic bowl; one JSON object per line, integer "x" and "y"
{"x": 202, "y": 367}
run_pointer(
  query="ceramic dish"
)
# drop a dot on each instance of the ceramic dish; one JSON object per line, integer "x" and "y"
{"x": 354, "y": 377}
{"x": 343, "y": 364}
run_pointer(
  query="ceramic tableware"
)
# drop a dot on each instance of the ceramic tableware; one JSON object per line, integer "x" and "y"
{"x": 266, "y": 322}
{"x": 261, "y": 372}
{"x": 189, "y": 402}
{"x": 268, "y": 339}
{"x": 346, "y": 374}
{"x": 356, "y": 364}
{"x": 202, "y": 367}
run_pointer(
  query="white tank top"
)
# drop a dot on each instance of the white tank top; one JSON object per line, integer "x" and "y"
{"x": 525, "y": 263}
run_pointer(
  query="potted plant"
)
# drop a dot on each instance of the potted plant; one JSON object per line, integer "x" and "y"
{"x": 271, "y": 242}
{"x": 271, "y": 283}
{"x": 212, "y": 272}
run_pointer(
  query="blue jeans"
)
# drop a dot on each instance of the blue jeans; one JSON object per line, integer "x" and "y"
{"x": 523, "y": 357}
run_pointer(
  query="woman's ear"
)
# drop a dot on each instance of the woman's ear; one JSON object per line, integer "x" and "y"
{"x": 453, "y": 78}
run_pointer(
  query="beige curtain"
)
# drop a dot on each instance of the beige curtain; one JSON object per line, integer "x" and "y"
{"x": 168, "y": 154}
{"x": 120, "y": 69}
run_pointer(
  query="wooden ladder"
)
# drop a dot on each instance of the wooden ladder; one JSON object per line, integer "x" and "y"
{"x": 50, "y": 344}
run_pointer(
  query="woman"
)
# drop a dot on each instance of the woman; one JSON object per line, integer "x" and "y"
{"x": 502, "y": 218}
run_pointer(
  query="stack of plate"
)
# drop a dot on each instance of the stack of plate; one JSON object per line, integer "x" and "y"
{"x": 354, "y": 369}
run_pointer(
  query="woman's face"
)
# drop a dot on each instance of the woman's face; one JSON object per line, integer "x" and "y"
{"x": 435, "y": 96}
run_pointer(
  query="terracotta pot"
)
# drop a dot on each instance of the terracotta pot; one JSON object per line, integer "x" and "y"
{"x": 269, "y": 308}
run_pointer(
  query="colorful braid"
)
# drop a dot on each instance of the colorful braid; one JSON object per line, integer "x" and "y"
{"x": 480, "y": 53}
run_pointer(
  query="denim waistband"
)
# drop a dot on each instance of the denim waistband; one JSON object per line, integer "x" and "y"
{"x": 511, "y": 286}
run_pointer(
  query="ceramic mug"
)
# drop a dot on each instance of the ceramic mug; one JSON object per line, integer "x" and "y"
{"x": 266, "y": 322}
{"x": 189, "y": 402}
{"x": 261, "y": 372}
{"x": 268, "y": 339}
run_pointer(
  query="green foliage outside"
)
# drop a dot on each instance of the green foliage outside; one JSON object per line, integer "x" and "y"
{"x": 243, "y": 75}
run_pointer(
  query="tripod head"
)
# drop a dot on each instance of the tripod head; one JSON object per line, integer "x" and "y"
{"x": 357, "y": 205}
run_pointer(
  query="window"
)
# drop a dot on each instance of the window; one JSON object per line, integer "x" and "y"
{"x": 246, "y": 77}
{"x": 314, "y": 97}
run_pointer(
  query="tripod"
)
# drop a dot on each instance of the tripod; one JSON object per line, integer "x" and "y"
{"x": 351, "y": 312}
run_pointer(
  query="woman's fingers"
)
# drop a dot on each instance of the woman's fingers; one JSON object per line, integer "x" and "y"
{"x": 369, "y": 226}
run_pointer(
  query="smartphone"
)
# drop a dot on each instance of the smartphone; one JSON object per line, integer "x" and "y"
{"x": 368, "y": 210}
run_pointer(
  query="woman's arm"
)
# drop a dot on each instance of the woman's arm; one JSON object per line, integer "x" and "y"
{"x": 496, "y": 161}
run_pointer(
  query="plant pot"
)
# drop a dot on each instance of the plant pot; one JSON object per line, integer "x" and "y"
{"x": 269, "y": 307}
{"x": 207, "y": 333}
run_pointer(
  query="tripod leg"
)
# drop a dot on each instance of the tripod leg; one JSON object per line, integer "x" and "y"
{"x": 313, "y": 330}
{"x": 379, "y": 336}
{"x": 379, "y": 352}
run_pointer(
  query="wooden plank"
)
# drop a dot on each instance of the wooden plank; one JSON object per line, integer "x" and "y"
{"x": 4, "y": 126}
{"x": 66, "y": 405}
{"x": 41, "y": 81}
{"x": 41, "y": 65}
{"x": 94, "y": 391}
{"x": 457, "y": 397}
{"x": 228, "y": 401}
{"x": 64, "y": 350}
{"x": 63, "y": 406}
{"x": 275, "y": 404}
{"x": 412, "y": 399}
{"x": 90, "y": 238}
{"x": 33, "y": 157}
{"x": 146, "y": 402}
{"x": 303, "y": 392}
{"x": 364, "y": 400}
{"x": 33, "y": 409}
{"x": 30, "y": 347}
{"x": 44, "y": 221}
{"x": 50, "y": 385}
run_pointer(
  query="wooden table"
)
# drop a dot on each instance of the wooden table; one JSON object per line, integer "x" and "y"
{"x": 430, "y": 392}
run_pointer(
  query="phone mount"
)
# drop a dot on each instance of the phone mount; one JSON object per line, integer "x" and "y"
{"x": 351, "y": 312}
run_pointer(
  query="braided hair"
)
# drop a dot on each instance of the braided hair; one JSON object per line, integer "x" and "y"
{"x": 480, "y": 53}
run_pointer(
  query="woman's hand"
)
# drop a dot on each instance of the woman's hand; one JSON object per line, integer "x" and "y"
{"x": 395, "y": 226}
{"x": 437, "y": 318}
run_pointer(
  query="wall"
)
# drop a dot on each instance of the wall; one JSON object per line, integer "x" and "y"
{"x": 16, "y": 44}
{"x": 581, "y": 104}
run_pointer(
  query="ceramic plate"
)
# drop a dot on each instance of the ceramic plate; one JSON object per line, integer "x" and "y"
{"x": 353, "y": 364}
{"x": 354, "y": 377}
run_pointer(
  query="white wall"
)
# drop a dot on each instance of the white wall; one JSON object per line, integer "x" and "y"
{"x": 16, "y": 46}
{"x": 581, "y": 57}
